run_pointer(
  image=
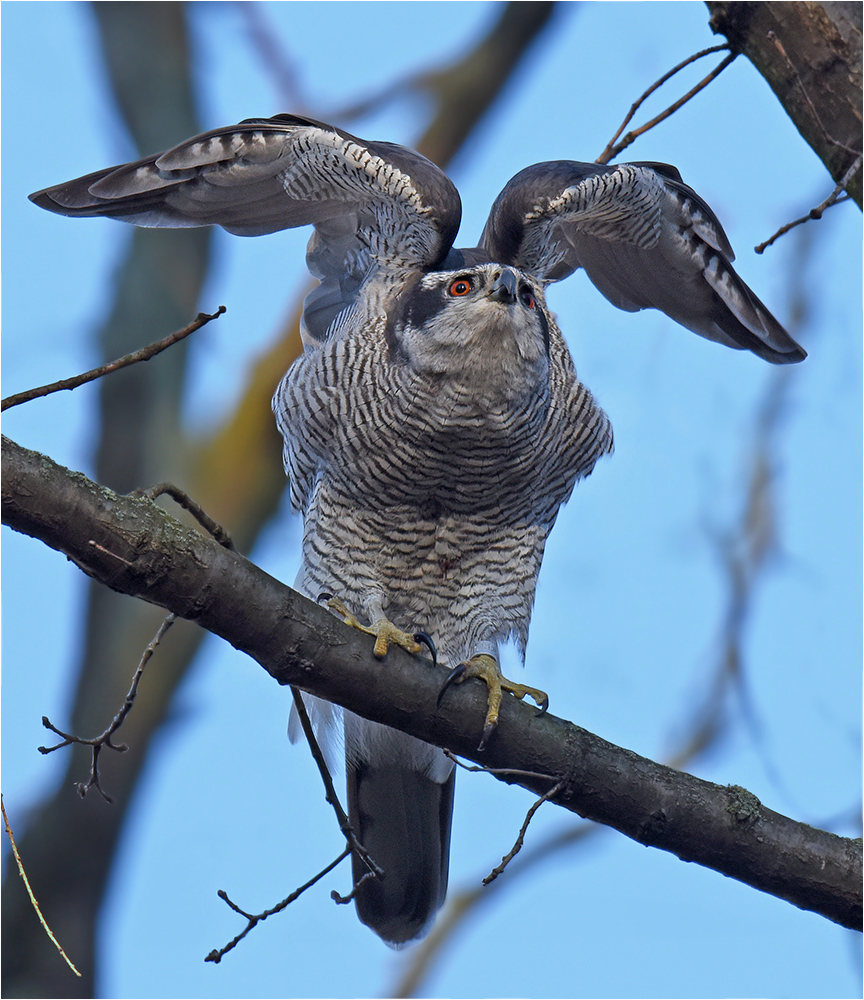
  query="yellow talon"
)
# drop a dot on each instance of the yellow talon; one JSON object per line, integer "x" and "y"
{"x": 384, "y": 631}
{"x": 486, "y": 668}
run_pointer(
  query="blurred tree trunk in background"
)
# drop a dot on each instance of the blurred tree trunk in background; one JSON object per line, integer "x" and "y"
{"x": 236, "y": 473}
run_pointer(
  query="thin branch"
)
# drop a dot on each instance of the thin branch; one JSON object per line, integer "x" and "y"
{"x": 144, "y": 354}
{"x": 497, "y": 772}
{"x": 254, "y": 919}
{"x": 330, "y": 796}
{"x": 33, "y": 901}
{"x": 520, "y": 840}
{"x": 612, "y": 150}
{"x": 835, "y": 198}
{"x": 104, "y": 740}
{"x": 342, "y": 900}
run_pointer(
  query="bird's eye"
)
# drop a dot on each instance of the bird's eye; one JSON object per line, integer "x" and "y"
{"x": 528, "y": 299}
{"x": 461, "y": 286}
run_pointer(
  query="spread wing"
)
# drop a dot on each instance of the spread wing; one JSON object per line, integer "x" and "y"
{"x": 373, "y": 204}
{"x": 644, "y": 238}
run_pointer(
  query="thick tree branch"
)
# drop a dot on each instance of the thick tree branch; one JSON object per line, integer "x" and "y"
{"x": 131, "y": 545}
{"x": 810, "y": 54}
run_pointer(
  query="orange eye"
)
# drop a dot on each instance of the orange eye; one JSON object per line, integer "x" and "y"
{"x": 528, "y": 299}
{"x": 461, "y": 286}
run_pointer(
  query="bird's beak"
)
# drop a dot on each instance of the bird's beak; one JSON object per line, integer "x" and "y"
{"x": 504, "y": 287}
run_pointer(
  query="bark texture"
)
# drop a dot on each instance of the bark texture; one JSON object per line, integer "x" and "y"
{"x": 810, "y": 55}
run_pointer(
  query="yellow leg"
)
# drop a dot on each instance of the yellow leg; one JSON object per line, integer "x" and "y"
{"x": 486, "y": 668}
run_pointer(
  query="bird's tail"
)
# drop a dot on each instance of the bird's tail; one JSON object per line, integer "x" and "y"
{"x": 400, "y": 805}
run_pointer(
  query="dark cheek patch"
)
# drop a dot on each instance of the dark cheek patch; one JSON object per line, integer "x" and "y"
{"x": 422, "y": 305}
{"x": 416, "y": 307}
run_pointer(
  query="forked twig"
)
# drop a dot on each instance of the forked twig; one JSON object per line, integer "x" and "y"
{"x": 104, "y": 740}
{"x": 144, "y": 354}
{"x": 33, "y": 901}
{"x": 352, "y": 844}
{"x": 612, "y": 150}
{"x": 256, "y": 918}
{"x": 508, "y": 772}
{"x": 342, "y": 900}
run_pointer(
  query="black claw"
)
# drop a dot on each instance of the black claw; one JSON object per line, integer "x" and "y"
{"x": 488, "y": 730}
{"x": 455, "y": 674}
{"x": 544, "y": 704}
{"x": 324, "y": 596}
{"x": 426, "y": 641}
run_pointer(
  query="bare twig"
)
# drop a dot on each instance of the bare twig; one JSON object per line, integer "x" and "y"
{"x": 144, "y": 354}
{"x": 195, "y": 509}
{"x": 520, "y": 840}
{"x": 497, "y": 772}
{"x": 33, "y": 901}
{"x": 348, "y": 833}
{"x": 255, "y": 919}
{"x": 97, "y": 743}
{"x": 612, "y": 150}
{"x": 835, "y": 198}
{"x": 337, "y": 898}
{"x": 104, "y": 740}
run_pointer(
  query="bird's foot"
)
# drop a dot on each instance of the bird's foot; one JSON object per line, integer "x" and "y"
{"x": 384, "y": 631}
{"x": 486, "y": 668}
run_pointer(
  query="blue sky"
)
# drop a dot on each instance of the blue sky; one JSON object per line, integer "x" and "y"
{"x": 632, "y": 595}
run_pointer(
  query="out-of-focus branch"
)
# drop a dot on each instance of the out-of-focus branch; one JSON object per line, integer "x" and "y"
{"x": 22, "y": 872}
{"x": 137, "y": 441}
{"x": 464, "y": 90}
{"x": 299, "y": 643}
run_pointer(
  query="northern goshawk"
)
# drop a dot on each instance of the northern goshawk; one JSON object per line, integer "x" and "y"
{"x": 434, "y": 424}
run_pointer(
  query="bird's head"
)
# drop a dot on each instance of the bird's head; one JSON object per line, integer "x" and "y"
{"x": 489, "y": 320}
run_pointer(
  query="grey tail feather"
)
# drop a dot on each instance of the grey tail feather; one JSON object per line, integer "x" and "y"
{"x": 403, "y": 819}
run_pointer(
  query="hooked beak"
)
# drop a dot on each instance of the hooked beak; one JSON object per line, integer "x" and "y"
{"x": 504, "y": 287}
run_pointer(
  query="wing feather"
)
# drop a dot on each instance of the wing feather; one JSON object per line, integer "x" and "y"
{"x": 643, "y": 237}
{"x": 374, "y": 204}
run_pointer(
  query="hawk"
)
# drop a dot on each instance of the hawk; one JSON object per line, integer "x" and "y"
{"x": 434, "y": 424}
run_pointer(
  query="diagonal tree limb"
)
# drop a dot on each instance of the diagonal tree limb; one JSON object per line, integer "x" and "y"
{"x": 297, "y": 642}
{"x": 810, "y": 56}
